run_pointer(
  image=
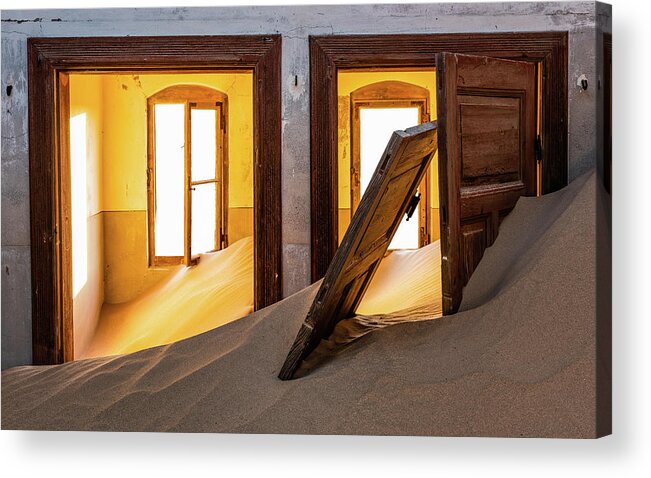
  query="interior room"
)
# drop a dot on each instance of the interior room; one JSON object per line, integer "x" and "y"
{"x": 161, "y": 183}
{"x": 372, "y": 104}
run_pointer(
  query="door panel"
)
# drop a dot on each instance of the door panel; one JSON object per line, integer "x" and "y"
{"x": 486, "y": 119}
{"x": 394, "y": 183}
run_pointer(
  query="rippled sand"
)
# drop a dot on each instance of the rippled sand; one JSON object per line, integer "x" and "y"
{"x": 518, "y": 360}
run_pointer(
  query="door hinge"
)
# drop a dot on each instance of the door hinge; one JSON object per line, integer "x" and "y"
{"x": 538, "y": 149}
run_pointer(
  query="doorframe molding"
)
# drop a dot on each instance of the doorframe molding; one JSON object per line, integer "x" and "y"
{"x": 48, "y": 58}
{"x": 328, "y": 54}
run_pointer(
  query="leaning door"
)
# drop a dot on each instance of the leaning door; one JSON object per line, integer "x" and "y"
{"x": 487, "y": 128}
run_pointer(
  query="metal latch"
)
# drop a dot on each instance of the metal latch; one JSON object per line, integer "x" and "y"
{"x": 412, "y": 205}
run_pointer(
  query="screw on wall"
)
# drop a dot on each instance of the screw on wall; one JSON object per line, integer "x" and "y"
{"x": 582, "y": 82}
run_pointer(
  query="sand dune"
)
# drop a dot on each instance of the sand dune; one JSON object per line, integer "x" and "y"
{"x": 405, "y": 279}
{"x": 216, "y": 291}
{"x": 519, "y": 360}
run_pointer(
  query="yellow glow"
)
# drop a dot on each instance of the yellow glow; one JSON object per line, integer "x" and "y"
{"x": 405, "y": 279}
{"x": 192, "y": 300}
{"x": 125, "y": 117}
{"x": 121, "y": 189}
{"x": 78, "y": 181}
{"x": 116, "y": 170}
{"x": 349, "y": 81}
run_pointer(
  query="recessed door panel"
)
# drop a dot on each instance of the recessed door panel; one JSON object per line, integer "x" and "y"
{"x": 486, "y": 116}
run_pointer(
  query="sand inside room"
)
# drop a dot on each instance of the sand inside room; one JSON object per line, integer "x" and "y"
{"x": 127, "y": 140}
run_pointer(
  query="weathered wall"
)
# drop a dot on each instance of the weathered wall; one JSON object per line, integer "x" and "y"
{"x": 295, "y": 24}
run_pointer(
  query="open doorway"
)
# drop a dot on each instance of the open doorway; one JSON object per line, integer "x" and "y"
{"x": 372, "y": 104}
{"x": 161, "y": 183}
{"x": 485, "y": 135}
{"x": 52, "y": 61}
{"x": 501, "y": 136}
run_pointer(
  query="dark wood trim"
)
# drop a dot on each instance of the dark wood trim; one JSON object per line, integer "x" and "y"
{"x": 328, "y": 54}
{"x": 64, "y": 217}
{"x": 47, "y": 57}
{"x": 267, "y": 135}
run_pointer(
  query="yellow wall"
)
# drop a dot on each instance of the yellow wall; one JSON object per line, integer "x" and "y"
{"x": 86, "y": 98}
{"x": 125, "y": 106}
{"x": 349, "y": 81}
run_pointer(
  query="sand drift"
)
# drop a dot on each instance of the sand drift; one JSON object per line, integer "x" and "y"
{"x": 518, "y": 360}
{"x": 219, "y": 290}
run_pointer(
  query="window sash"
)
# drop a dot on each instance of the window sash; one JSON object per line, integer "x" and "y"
{"x": 207, "y": 101}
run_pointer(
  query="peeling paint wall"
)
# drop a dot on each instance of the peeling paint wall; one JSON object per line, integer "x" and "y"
{"x": 295, "y": 24}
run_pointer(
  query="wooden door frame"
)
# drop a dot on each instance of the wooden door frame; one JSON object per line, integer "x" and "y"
{"x": 47, "y": 59}
{"x": 328, "y": 54}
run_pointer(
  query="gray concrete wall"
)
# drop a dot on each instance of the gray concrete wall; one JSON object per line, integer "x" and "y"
{"x": 295, "y": 24}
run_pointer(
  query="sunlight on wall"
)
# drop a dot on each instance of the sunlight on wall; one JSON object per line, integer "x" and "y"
{"x": 87, "y": 220}
{"x": 376, "y": 127}
{"x": 125, "y": 117}
{"x": 78, "y": 158}
{"x": 108, "y": 131}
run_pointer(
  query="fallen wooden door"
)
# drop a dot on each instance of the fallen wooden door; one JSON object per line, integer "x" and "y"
{"x": 380, "y": 211}
{"x": 487, "y": 127}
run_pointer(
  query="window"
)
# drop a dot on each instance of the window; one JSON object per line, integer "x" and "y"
{"x": 186, "y": 174}
{"x": 378, "y": 110}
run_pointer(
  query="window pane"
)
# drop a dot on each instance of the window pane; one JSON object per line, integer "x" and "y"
{"x": 170, "y": 144}
{"x": 203, "y": 218}
{"x": 376, "y": 127}
{"x": 204, "y": 148}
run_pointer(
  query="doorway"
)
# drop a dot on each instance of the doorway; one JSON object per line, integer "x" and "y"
{"x": 151, "y": 198}
{"x": 51, "y": 60}
{"x": 545, "y": 51}
{"x": 371, "y": 106}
